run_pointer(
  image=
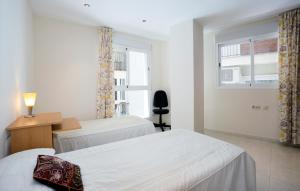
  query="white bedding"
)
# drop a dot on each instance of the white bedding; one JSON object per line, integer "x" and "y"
{"x": 176, "y": 160}
{"x": 102, "y": 131}
{"x": 16, "y": 171}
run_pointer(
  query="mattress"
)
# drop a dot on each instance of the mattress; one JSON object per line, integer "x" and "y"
{"x": 177, "y": 160}
{"x": 101, "y": 131}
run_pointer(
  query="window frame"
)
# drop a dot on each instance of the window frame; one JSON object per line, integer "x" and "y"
{"x": 128, "y": 87}
{"x": 252, "y": 84}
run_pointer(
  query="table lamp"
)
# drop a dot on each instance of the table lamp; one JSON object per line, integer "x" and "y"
{"x": 29, "y": 99}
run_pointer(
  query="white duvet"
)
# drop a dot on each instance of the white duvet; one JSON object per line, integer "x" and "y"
{"x": 102, "y": 131}
{"x": 174, "y": 160}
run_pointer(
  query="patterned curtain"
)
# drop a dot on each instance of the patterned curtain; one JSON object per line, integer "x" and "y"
{"x": 105, "y": 92}
{"x": 289, "y": 76}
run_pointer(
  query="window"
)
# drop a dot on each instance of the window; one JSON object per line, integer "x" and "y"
{"x": 265, "y": 61}
{"x": 132, "y": 87}
{"x": 249, "y": 63}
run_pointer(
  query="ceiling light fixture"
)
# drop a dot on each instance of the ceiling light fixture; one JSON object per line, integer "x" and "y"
{"x": 144, "y": 20}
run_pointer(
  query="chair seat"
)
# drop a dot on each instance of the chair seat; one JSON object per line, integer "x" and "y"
{"x": 160, "y": 111}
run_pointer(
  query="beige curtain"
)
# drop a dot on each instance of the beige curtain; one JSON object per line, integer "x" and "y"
{"x": 289, "y": 76}
{"x": 105, "y": 92}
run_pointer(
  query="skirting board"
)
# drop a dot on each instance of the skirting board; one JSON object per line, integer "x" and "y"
{"x": 243, "y": 135}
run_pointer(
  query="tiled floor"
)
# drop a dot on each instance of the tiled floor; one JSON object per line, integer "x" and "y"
{"x": 277, "y": 166}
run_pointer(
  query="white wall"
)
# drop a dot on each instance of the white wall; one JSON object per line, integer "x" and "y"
{"x": 248, "y": 30}
{"x": 229, "y": 110}
{"x": 15, "y": 62}
{"x": 185, "y": 74}
{"x": 161, "y": 74}
{"x": 66, "y": 57}
{"x": 66, "y": 66}
{"x": 181, "y": 75}
{"x": 198, "y": 78}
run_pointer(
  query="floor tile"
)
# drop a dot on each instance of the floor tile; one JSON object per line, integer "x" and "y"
{"x": 278, "y": 185}
{"x": 277, "y": 166}
{"x": 262, "y": 182}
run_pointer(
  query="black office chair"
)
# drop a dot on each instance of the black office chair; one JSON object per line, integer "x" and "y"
{"x": 161, "y": 101}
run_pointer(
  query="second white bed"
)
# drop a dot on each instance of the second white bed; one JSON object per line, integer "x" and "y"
{"x": 101, "y": 131}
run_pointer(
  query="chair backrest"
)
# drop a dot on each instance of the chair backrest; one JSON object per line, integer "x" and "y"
{"x": 160, "y": 99}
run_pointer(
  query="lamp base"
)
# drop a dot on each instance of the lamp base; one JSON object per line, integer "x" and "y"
{"x": 30, "y": 108}
{"x": 29, "y": 116}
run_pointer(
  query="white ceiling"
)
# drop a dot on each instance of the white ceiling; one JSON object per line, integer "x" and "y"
{"x": 127, "y": 15}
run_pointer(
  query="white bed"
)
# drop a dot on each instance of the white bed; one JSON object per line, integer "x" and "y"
{"x": 176, "y": 160}
{"x": 101, "y": 131}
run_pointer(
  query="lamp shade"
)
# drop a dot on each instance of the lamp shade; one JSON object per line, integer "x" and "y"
{"x": 29, "y": 99}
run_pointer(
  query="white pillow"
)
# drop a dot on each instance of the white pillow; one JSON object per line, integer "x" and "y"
{"x": 16, "y": 170}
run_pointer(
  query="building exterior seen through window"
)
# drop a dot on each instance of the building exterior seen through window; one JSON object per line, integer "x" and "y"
{"x": 249, "y": 62}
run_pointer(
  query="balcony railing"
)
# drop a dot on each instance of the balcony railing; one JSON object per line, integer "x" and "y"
{"x": 119, "y": 61}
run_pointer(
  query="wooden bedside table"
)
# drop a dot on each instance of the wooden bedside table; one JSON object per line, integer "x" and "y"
{"x": 35, "y": 132}
{"x": 66, "y": 125}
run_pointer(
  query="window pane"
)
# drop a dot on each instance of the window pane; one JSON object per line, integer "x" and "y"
{"x": 138, "y": 103}
{"x": 138, "y": 69}
{"x": 121, "y": 104}
{"x": 135, "y": 102}
{"x": 120, "y": 66}
{"x": 265, "y": 61}
{"x": 235, "y": 63}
